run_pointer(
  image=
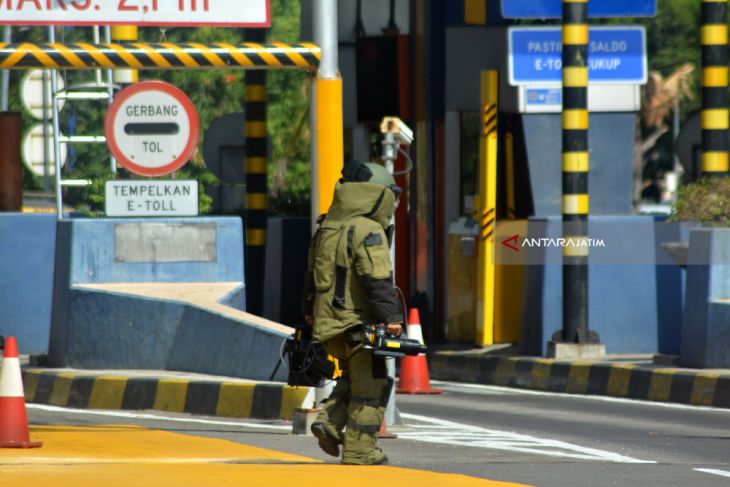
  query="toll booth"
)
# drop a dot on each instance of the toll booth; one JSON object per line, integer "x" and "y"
{"x": 421, "y": 60}
{"x": 529, "y": 158}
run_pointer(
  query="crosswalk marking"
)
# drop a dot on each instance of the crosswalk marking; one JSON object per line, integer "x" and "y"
{"x": 440, "y": 431}
{"x": 713, "y": 471}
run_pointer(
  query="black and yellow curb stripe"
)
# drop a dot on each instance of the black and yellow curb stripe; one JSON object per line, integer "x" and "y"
{"x": 684, "y": 386}
{"x": 163, "y": 55}
{"x": 209, "y": 398}
{"x": 713, "y": 37}
{"x": 575, "y": 168}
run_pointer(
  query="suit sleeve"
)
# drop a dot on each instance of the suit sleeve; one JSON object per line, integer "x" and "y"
{"x": 372, "y": 265}
{"x": 309, "y": 290}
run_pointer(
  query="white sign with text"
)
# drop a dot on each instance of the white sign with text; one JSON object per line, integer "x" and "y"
{"x": 182, "y": 13}
{"x": 131, "y": 198}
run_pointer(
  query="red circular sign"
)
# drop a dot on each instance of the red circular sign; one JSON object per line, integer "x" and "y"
{"x": 152, "y": 128}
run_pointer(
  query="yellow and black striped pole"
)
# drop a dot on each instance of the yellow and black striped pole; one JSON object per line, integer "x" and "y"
{"x": 575, "y": 171}
{"x": 713, "y": 36}
{"x": 256, "y": 210}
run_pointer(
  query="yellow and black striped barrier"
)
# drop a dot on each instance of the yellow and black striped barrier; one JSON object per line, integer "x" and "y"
{"x": 575, "y": 170}
{"x": 486, "y": 207}
{"x": 89, "y": 390}
{"x": 713, "y": 36}
{"x": 256, "y": 211}
{"x": 162, "y": 55}
{"x": 617, "y": 379}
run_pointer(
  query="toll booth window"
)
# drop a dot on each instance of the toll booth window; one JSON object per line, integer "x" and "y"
{"x": 469, "y": 159}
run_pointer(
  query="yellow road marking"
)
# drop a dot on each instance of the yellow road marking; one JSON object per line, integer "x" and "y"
{"x": 119, "y": 456}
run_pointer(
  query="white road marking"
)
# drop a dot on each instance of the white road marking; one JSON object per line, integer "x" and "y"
{"x": 501, "y": 390}
{"x": 714, "y": 471}
{"x": 441, "y": 431}
{"x": 155, "y": 417}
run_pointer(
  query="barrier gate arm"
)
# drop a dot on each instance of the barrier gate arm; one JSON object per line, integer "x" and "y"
{"x": 164, "y": 55}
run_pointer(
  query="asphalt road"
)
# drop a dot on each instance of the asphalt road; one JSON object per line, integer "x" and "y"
{"x": 511, "y": 435}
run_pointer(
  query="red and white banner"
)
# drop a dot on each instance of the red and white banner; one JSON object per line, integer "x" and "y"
{"x": 182, "y": 13}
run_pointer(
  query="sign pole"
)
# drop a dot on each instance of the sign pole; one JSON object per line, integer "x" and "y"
{"x": 256, "y": 211}
{"x": 7, "y": 38}
{"x": 56, "y": 131}
{"x": 326, "y": 122}
{"x": 575, "y": 172}
{"x": 327, "y": 150}
{"x": 713, "y": 36}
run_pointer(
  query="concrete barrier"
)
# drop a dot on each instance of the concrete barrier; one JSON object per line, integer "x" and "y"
{"x": 26, "y": 278}
{"x": 706, "y": 327}
{"x": 635, "y": 292}
{"x": 701, "y": 388}
{"x": 158, "y": 294}
{"x": 176, "y": 395}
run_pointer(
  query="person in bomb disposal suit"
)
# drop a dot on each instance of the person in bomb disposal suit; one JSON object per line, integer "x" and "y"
{"x": 349, "y": 284}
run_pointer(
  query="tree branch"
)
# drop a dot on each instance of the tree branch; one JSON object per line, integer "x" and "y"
{"x": 651, "y": 141}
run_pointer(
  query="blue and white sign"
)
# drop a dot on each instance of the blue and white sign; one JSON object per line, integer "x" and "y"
{"x": 543, "y": 96}
{"x": 616, "y": 55}
{"x": 552, "y": 9}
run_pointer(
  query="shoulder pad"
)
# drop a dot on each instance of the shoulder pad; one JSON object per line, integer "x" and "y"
{"x": 372, "y": 239}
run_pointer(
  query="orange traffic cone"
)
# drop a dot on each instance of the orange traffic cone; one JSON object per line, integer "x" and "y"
{"x": 414, "y": 378}
{"x": 384, "y": 433}
{"x": 13, "y": 418}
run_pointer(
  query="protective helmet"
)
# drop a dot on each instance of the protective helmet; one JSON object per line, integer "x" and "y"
{"x": 369, "y": 172}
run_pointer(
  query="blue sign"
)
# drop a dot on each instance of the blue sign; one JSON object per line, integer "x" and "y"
{"x": 543, "y": 96}
{"x": 616, "y": 55}
{"x": 552, "y": 9}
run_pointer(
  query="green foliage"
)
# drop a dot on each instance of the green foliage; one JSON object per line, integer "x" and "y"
{"x": 288, "y": 122}
{"x": 673, "y": 38}
{"x": 706, "y": 201}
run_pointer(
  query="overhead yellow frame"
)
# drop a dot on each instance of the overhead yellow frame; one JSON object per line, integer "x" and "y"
{"x": 163, "y": 55}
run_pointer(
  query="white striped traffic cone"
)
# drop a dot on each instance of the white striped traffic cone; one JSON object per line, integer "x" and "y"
{"x": 414, "y": 378}
{"x": 13, "y": 418}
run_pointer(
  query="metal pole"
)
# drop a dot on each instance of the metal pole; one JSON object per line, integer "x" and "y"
{"x": 110, "y": 91}
{"x": 327, "y": 149}
{"x": 713, "y": 36}
{"x": 390, "y": 154}
{"x": 257, "y": 201}
{"x": 56, "y": 132}
{"x": 326, "y": 120}
{"x": 325, "y": 36}
{"x": 46, "y": 148}
{"x": 97, "y": 40}
{"x": 7, "y": 38}
{"x": 575, "y": 171}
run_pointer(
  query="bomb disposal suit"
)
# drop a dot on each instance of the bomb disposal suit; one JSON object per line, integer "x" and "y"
{"x": 349, "y": 284}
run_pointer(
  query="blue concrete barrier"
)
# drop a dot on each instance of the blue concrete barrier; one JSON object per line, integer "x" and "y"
{"x": 706, "y": 327}
{"x": 26, "y": 278}
{"x": 635, "y": 307}
{"x": 109, "y": 326}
